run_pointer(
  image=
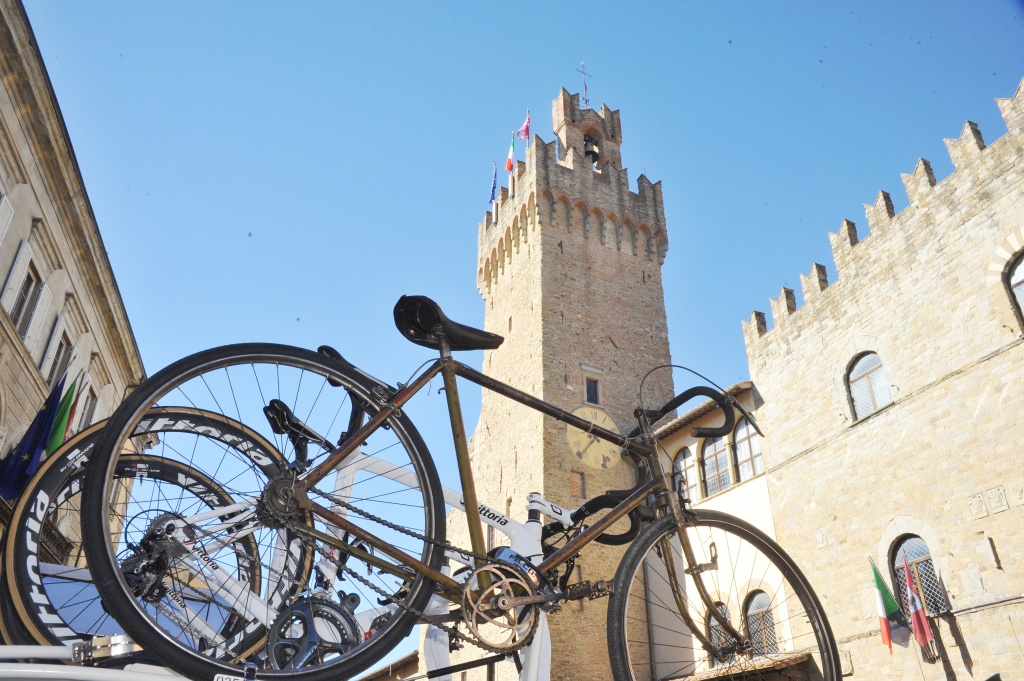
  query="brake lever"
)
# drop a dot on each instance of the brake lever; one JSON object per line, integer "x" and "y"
{"x": 746, "y": 414}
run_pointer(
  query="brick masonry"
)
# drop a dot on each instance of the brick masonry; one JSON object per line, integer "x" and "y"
{"x": 570, "y": 270}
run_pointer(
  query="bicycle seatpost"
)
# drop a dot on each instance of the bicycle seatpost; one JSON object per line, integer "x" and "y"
{"x": 451, "y": 391}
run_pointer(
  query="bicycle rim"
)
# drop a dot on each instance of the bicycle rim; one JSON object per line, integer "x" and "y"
{"x": 390, "y": 477}
{"x": 752, "y": 582}
{"x": 50, "y": 584}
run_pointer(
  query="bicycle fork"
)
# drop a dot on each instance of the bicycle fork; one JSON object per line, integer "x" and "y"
{"x": 670, "y": 499}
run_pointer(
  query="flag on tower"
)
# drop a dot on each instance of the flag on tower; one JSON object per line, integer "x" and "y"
{"x": 918, "y": 621}
{"x": 510, "y": 164}
{"x": 494, "y": 181}
{"x": 888, "y": 611}
{"x": 22, "y": 463}
{"x": 523, "y": 132}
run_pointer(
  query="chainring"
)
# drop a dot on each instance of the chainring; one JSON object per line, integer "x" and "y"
{"x": 503, "y": 629}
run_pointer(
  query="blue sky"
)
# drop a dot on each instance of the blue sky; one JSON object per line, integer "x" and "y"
{"x": 284, "y": 172}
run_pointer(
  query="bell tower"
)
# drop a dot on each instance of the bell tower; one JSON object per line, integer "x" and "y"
{"x": 569, "y": 265}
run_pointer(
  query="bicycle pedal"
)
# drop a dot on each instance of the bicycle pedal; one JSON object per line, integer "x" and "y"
{"x": 588, "y": 589}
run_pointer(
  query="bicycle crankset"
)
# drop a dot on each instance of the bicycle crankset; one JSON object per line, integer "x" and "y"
{"x": 311, "y": 630}
{"x": 491, "y": 613}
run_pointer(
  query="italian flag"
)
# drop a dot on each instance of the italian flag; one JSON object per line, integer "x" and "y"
{"x": 510, "y": 164}
{"x": 888, "y": 610}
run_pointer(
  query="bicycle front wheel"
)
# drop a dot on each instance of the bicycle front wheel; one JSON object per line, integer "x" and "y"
{"x": 327, "y": 605}
{"x": 652, "y": 616}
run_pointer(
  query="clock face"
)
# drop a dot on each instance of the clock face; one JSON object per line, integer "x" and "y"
{"x": 590, "y": 449}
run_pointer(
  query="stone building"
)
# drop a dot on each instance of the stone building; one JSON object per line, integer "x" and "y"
{"x": 569, "y": 266}
{"x": 888, "y": 399}
{"x": 62, "y": 311}
{"x": 889, "y": 403}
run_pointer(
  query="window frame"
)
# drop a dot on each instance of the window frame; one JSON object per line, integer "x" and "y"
{"x": 679, "y": 468}
{"x": 716, "y": 632}
{"x": 754, "y": 458}
{"x": 764, "y": 615}
{"x": 60, "y": 361}
{"x": 929, "y": 591}
{"x": 1015, "y": 262}
{"x": 726, "y": 449}
{"x": 857, "y": 418}
{"x": 92, "y": 399}
{"x": 21, "y": 316}
{"x": 595, "y": 374}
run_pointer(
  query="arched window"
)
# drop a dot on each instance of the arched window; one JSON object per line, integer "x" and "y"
{"x": 748, "y": 450}
{"x": 686, "y": 473}
{"x": 922, "y": 571}
{"x": 716, "y": 633}
{"x": 1016, "y": 282}
{"x": 761, "y": 624}
{"x": 716, "y": 465}
{"x": 869, "y": 389}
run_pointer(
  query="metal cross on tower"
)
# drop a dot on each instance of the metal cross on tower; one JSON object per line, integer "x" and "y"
{"x": 585, "y": 101}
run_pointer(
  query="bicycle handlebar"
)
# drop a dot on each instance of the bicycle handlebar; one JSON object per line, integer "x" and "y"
{"x": 720, "y": 399}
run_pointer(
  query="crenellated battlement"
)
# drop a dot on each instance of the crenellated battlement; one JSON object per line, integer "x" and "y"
{"x": 577, "y": 186}
{"x": 893, "y": 237}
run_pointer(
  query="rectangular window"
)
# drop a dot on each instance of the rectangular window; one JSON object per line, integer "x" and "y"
{"x": 61, "y": 359}
{"x": 25, "y": 302}
{"x": 88, "y": 410}
{"x": 577, "y": 485}
{"x": 490, "y": 537}
{"x": 593, "y": 388}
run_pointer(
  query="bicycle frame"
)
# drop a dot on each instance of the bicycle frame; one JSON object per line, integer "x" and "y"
{"x": 449, "y": 369}
{"x": 525, "y": 538}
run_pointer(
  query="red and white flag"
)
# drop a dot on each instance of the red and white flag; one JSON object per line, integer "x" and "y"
{"x": 918, "y": 621}
{"x": 523, "y": 132}
{"x": 510, "y": 164}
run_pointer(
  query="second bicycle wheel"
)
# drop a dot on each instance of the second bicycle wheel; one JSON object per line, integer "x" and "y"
{"x": 51, "y": 588}
{"x": 653, "y": 627}
{"x": 338, "y": 618}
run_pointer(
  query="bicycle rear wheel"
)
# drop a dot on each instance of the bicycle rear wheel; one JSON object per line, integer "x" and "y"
{"x": 51, "y": 588}
{"x": 753, "y": 583}
{"x": 325, "y": 623}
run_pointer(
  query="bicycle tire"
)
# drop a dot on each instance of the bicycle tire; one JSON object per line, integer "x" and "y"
{"x": 50, "y": 593}
{"x": 242, "y": 381}
{"x": 649, "y": 639}
{"x": 12, "y": 632}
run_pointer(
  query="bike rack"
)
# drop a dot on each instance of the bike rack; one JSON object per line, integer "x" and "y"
{"x": 81, "y": 653}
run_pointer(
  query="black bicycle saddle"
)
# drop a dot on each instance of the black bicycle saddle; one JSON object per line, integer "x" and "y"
{"x": 421, "y": 320}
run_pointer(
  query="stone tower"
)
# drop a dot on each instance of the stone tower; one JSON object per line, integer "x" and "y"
{"x": 570, "y": 269}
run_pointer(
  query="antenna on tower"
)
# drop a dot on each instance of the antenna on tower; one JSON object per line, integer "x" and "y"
{"x": 584, "y": 100}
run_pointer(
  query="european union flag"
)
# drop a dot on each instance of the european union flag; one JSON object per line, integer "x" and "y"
{"x": 21, "y": 464}
{"x": 494, "y": 180}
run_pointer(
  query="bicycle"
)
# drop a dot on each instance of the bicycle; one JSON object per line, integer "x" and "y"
{"x": 52, "y": 600}
{"x": 332, "y": 474}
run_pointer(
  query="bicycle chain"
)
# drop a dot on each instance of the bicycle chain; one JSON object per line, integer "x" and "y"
{"x": 452, "y": 631}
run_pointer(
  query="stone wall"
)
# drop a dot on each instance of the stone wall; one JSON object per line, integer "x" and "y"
{"x": 926, "y": 291}
{"x": 47, "y": 227}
